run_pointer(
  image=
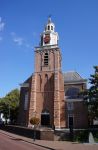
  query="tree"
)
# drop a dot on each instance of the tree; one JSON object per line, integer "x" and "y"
{"x": 9, "y": 105}
{"x": 91, "y": 96}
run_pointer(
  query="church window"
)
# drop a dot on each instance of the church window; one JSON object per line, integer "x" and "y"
{"x": 48, "y": 27}
{"x": 72, "y": 93}
{"x": 70, "y": 105}
{"x": 26, "y": 101}
{"x": 46, "y": 59}
{"x": 41, "y": 40}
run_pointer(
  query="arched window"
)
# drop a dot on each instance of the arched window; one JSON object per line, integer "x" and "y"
{"x": 51, "y": 27}
{"x": 26, "y": 98}
{"x": 48, "y": 27}
{"x": 41, "y": 40}
{"x": 46, "y": 59}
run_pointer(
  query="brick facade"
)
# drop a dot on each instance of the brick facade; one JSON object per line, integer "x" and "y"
{"x": 44, "y": 93}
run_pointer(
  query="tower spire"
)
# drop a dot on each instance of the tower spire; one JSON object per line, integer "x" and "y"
{"x": 49, "y": 19}
{"x": 49, "y": 36}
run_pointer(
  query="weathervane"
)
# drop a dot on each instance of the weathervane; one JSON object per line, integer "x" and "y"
{"x": 49, "y": 18}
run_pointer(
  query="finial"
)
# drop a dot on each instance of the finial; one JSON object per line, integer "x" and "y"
{"x": 49, "y": 19}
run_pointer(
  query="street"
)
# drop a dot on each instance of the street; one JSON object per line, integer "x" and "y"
{"x": 10, "y": 143}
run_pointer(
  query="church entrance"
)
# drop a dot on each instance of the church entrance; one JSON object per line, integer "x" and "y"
{"x": 45, "y": 118}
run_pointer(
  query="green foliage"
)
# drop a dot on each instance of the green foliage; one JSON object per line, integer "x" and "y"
{"x": 95, "y": 134}
{"x": 9, "y": 105}
{"x": 91, "y": 96}
{"x": 78, "y": 136}
{"x": 34, "y": 121}
{"x": 81, "y": 136}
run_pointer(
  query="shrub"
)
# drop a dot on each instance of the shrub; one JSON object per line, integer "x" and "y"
{"x": 81, "y": 136}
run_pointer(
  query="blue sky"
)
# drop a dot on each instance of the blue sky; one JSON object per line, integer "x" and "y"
{"x": 22, "y": 21}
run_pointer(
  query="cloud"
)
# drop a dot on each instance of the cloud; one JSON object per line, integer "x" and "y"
{"x": 20, "y": 41}
{"x": 2, "y": 24}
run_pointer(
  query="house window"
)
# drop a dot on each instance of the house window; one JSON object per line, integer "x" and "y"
{"x": 26, "y": 101}
{"x": 46, "y": 59}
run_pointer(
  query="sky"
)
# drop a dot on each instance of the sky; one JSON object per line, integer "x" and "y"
{"x": 22, "y": 22}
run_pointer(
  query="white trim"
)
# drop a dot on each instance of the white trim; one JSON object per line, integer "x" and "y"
{"x": 24, "y": 84}
{"x": 73, "y": 100}
{"x": 74, "y": 82}
{"x": 45, "y": 113}
{"x": 46, "y": 47}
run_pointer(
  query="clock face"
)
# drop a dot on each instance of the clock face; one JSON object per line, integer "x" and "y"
{"x": 47, "y": 38}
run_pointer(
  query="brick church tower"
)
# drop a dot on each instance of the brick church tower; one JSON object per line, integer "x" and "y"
{"x": 43, "y": 92}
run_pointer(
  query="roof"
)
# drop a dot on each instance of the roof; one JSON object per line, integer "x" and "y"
{"x": 73, "y": 76}
{"x": 26, "y": 82}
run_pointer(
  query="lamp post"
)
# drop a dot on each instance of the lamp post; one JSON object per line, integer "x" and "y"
{"x": 34, "y": 113}
{"x": 34, "y": 121}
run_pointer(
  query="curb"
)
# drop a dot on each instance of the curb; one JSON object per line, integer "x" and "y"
{"x": 39, "y": 145}
{"x": 28, "y": 141}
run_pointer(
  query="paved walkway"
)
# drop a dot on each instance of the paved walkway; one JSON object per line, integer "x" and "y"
{"x": 55, "y": 145}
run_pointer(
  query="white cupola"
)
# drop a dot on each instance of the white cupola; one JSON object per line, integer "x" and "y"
{"x": 49, "y": 26}
{"x": 49, "y": 36}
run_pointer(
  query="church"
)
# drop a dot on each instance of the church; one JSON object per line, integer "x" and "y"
{"x": 49, "y": 94}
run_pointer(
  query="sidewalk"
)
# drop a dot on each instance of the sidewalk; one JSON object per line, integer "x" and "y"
{"x": 54, "y": 145}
